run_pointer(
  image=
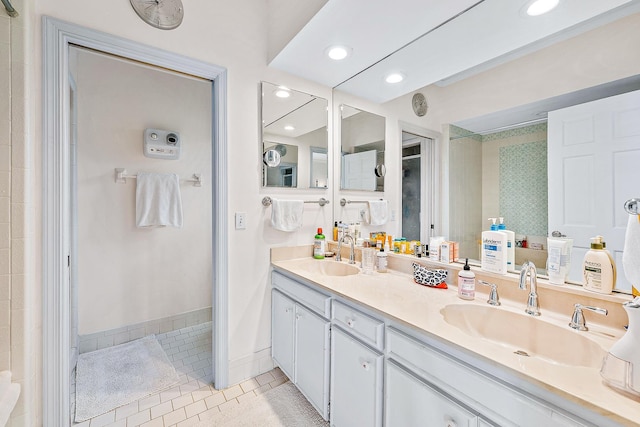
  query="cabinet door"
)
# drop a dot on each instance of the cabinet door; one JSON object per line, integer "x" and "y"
{"x": 312, "y": 358}
{"x": 411, "y": 402}
{"x": 356, "y": 383}
{"x": 282, "y": 332}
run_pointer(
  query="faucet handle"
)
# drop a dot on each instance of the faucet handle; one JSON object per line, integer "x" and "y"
{"x": 577, "y": 319}
{"x": 494, "y": 299}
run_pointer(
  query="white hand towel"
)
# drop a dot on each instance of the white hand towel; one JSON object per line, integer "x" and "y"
{"x": 378, "y": 212}
{"x": 286, "y": 215}
{"x": 158, "y": 202}
{"x": 631, "y": 251}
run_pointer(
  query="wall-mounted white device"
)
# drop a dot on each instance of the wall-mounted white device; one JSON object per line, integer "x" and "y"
{"x": 161, "y": 144}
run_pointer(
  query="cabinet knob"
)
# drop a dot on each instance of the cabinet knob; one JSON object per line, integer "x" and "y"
{"x": 288, "y": 310}
{"x": 366, "y": 365}
{"x": 351, "y": 322}
{"x": 448, "y": 422}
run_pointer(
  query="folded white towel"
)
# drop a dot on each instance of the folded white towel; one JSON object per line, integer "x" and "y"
{"x": 158, "y": 202}
{"x": 286, "y": 215}
{"x": 631, "y": 251}
{"x": 378, "y": 212}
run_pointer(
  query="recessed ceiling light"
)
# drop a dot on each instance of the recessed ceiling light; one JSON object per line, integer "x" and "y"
{"x": 282, "y": 92}
{"x": 338, "y": 53}
{"x": 289, "y": 127}
{"x": 540, "y": 7}
{"x": 394, "y": 78}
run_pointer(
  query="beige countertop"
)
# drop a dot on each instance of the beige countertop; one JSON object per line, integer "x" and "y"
{"x": 394, "y": 294}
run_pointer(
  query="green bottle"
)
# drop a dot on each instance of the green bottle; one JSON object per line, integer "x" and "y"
{"x": 318, "y": 245}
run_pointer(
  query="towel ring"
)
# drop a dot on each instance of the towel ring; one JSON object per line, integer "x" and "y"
{"x": 632, "y": 206}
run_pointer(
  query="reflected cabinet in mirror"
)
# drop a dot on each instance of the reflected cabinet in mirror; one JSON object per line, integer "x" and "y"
{"x": 294, "y": 138}
{"x": 362, "y": 147}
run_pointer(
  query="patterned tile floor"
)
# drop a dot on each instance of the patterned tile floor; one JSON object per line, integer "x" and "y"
{"x": 194, "y": 399}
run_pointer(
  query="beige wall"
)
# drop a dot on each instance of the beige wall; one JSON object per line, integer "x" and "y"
{"x": 129, "y": 275}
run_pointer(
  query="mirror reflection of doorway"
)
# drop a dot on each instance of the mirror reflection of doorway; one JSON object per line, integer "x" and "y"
{"x": 416, "y": 162}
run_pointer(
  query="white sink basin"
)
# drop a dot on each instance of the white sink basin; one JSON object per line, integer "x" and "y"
{"x": 331, "y": 268}
{"x": 524, "y": 333}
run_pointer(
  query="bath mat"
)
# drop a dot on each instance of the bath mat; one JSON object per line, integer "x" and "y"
{"x": 283, "y": 406}
{"x": 115, "y": 376}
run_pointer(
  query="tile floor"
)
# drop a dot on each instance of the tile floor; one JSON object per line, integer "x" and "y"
{"x": 194, "y": 399}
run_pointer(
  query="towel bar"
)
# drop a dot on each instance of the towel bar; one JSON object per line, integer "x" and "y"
{"x": 344, "y": 202}
{"x": 121, "y": 177}
{"x": 267, "y": 201}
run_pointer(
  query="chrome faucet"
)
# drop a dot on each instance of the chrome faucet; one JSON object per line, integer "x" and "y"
{"x": 352, "y": 253}
{"x": 529, "y": 269}
{"x": 577, "y": 319}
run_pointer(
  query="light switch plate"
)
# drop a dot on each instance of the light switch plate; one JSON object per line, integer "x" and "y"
{"x": 241, "y": 220}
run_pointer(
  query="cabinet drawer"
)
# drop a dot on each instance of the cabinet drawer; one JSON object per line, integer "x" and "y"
{"x": 313, "y": 299}
{"x": 502, "y": 404}
{"x": 412, "y": 402}
{"x": 361, "y": 325}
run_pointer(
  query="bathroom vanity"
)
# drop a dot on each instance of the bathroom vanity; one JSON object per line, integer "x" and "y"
{"x": 373, "y": 350}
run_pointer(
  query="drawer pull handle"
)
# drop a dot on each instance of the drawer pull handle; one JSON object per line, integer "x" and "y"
{"x": 448, "y": 422}
{"x": 366, "y": 366}
{"x": 351, "y": 322}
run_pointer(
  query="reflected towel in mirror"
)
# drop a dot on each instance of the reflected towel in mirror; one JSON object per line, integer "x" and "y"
{"x": 158, "y": 201}
{"x": 286, "y": 215}
{"x": 378, "y": 212}
{"x": 631, "y": 251}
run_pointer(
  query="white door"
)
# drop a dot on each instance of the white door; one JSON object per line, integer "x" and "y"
{"x": 359, "y": 171}
{"x": 312, "y": 358}
{"x": 593, "y": 157}
{"x": 356, "y": 383}
{"x": 282, "y": 332}
{"x": 410, "y": 402}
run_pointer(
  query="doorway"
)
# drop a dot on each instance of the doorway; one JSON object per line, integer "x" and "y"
{"x": 417, "y": 186}
{"x": 57, "y": 193}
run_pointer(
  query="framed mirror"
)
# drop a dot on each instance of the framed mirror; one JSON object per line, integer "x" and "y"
{"x": 362, "y": 141}
{"x": 294, "y": 138}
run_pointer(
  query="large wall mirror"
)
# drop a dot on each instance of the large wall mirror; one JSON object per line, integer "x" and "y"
{"x": 294, "y": 138}
{"x": 498, "y": 170}
{"x": 362, "y": 147}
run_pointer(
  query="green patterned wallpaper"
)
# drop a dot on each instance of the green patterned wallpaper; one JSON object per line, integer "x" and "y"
{"x": 523, "y": 186}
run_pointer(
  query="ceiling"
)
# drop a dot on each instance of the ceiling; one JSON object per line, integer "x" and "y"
{"x": 429, "y": 41}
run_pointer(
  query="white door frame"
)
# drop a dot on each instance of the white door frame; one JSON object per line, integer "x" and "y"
{"x": 57, "y": 36}
{"x": 432, "y": 193}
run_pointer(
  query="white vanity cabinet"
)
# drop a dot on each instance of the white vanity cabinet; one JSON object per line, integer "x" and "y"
{"x": 356, "y": 367}
{"x": 356, "y": 382}
{"x": 300, "y": 334}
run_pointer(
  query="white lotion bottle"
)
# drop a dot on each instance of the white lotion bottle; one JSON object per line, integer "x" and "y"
{"x": 598, "y": 268}
{"x": 466, "y": 282}
{"x": 494, "y": 250}
{"x": 511, "y": 244}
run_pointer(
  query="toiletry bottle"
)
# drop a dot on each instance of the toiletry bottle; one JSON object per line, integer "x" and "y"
{"x": 388, "y": 243}
{"x": 335, "y": 231}
{"x": 598, "y": 269}
{"x": 319, "y": 245}
{"x": 382, "y": 261}
{"x": 466, "y": 282}
{"x": 511, "y": 244}
{"x": 494, "y": 250}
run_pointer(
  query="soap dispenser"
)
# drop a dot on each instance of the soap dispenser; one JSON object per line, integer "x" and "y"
{"x": 621, "y": 366}
{"x": 511, "y": 244}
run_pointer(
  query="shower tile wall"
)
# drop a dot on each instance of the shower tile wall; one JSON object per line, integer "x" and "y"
{"x": 20, "y": 312}
{"x": 519, "y": 190}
